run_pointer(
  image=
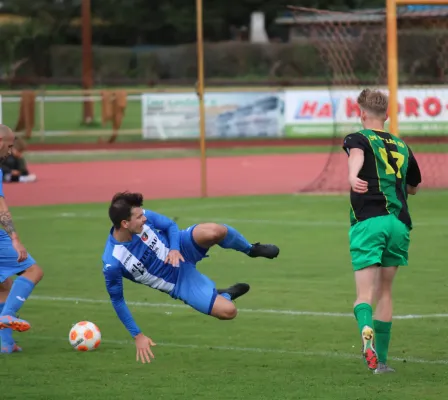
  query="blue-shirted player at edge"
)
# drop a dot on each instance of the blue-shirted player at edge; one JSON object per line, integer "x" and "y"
{"x": 14, "y": 260}
{"x": 148, "y": 248}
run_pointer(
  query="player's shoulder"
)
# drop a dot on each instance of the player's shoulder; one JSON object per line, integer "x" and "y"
{"x": 150, "y": 217}
{"x": 147, "y": 213}
{"x": 354, "y": 139}
{"x": 355, "y": 134}
{"x": 108, "y": 252}
{"x": 396, "y": 138}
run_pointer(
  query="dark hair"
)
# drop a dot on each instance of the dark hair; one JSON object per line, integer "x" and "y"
{"x": 19, "y": 144}
{"x": 121, "y": 206}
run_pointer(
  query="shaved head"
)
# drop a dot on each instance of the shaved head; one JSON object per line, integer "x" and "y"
{"x": 5, "y": 130}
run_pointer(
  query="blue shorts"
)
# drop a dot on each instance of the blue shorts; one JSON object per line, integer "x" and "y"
{"x": 8, "y": 259}
{"x": 191, "y": 252}
{"x": 192, "y": 287}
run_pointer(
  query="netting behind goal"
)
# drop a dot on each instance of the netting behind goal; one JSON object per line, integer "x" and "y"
{"x": 353, "y": 49}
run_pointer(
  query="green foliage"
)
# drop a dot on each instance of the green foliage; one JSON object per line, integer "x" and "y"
{"x": 165, "y": 22}
{"x": 222, "y": 60}
{"x": 17, "y": 42}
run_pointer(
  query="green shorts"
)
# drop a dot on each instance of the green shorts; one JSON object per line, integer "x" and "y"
{"x": 382, "y": 241}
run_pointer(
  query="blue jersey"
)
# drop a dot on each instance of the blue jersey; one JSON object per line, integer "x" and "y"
{"x": 141, "y": 260}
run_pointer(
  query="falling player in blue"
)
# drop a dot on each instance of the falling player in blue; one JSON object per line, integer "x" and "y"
{"x": 148, "y": 248}
{"x": 14, "y": 260}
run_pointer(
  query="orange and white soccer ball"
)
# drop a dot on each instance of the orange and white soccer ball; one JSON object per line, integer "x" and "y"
{"x": 85, "y": 336}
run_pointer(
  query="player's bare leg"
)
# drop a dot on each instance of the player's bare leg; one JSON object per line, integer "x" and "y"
{"x": 209, "y": 234}
{"x": 223, "y": 309}
{"x": 365, "y": 287}
{"x": 20, "y": 290}
{"x": 383, "y": 316}
{"x": 7, "y": 342}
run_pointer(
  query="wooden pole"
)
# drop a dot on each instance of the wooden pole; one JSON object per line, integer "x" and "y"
{"x": 87, "y": 68}
{"x": 392, "y": 64}
{"x": 200, "y": 90}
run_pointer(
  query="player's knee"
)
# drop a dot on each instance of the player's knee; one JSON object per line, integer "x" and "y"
{"x": 229, "y": 311}
{"x": 384, "y": 294}
{"x": 34, "y": 274}
{"x": 6, "y": 285}
{"x": 209, "y": 234}
{"x": 216, "y": 233}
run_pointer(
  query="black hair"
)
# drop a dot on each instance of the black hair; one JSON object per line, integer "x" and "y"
{"x": 121, "y": 206}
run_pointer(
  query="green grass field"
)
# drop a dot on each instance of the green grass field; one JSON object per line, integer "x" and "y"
{"x": 67, "y": 116}
{"x": 271, "y": 350}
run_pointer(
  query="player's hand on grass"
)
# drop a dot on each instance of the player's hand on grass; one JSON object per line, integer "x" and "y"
{"x": 174, "y": 257}
{"x": 143, "y": 345}
{"x": 21, "y": 251}
{"x": 358, "y": 185}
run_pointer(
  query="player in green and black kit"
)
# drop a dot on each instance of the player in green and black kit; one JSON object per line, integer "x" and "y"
{"x": 382, "y": 172}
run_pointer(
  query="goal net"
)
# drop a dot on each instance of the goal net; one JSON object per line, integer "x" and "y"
{"x": 353, "y": 49}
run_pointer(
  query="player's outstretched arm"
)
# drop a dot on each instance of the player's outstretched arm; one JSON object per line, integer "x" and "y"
{"x": 8, "y": 226}
{"x": 114, "y": 286}
{"x": 165, "y": 224}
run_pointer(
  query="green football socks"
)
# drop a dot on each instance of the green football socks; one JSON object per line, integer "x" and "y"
{"x": 382, "y": 339}
{"x": 363, "y": 314}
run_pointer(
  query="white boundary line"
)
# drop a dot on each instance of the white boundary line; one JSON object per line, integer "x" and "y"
{"x": 324, "y": 354}
{"x": 244, "y": 310}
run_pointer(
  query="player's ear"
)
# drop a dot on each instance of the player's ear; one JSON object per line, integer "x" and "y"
{"x": 363, "y": 115}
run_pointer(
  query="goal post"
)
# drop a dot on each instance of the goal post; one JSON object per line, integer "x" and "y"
{"x": 401, "y": 49}
{"x": 392, "y": 52}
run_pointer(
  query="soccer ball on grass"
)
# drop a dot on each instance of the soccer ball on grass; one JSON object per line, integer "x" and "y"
{"x": 85, "y": 336}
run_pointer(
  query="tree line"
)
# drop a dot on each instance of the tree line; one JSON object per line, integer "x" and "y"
{"x": 151, "y": 22}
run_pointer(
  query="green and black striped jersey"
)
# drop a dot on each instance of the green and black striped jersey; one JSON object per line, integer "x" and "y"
{"x": 389, "y": 165}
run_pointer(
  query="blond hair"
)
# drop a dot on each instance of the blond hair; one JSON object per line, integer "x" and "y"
{"x": 374, "y": 102}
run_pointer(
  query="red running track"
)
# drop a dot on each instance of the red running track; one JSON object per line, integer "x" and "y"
{"x": 179, "y": 178}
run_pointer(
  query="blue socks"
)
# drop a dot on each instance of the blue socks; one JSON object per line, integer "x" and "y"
{"x": 226, "y": 296}
{"x": 21, "y": 289}
{"x": 5, "y": 334}
{"x": 235, "y": 240}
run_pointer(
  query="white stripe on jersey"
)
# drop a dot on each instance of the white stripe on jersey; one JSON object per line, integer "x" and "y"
{"x": 150, "y": 239}
{"x": 138, "y": 271}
